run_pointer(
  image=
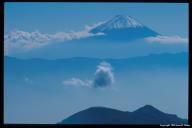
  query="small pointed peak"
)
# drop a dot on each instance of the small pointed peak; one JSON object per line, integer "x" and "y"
{"x": 97, "y": 108}
{"x": 148, "y": 106}
{"x": 147, "y": 109}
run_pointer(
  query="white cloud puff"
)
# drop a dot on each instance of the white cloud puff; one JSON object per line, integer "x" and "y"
{"x": 103, "y": 75}
{"x": 167, "y": 39}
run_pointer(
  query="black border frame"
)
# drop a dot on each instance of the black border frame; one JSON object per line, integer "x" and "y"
{"x": 82, "y": 125}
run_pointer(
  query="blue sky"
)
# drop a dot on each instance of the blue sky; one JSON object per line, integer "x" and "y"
{"x": 165, "y": 18}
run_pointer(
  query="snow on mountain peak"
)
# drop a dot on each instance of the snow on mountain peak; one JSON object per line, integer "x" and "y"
{"x": 123, "y": 21}
{"x": 119, "y": 22}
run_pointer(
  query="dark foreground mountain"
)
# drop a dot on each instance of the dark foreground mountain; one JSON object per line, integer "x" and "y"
{"x": 144, "y": 115}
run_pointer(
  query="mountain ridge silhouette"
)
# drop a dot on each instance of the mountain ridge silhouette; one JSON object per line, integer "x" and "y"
{"x": 103, "y": 115}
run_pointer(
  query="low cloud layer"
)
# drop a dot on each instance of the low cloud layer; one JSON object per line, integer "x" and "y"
{"x": 104, "y": 77}
{"x": 77, "y": 82}
{"x": 167, "y": 39}
{"x": 18, "y": 40}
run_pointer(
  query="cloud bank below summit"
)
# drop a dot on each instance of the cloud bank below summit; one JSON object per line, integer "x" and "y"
{"x": 18, "y": 40}
{"x": 167, "y": 39}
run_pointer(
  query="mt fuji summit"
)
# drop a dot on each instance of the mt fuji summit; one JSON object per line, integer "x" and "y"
{"x": 119, "y": 22}
{"x": 123, "y": 27}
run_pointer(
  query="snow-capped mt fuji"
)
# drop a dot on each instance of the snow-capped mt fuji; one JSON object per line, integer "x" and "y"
{"x": 119, "y": 22}
{"x": 123, "y": 27}
{"x": 120, "y": 31}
